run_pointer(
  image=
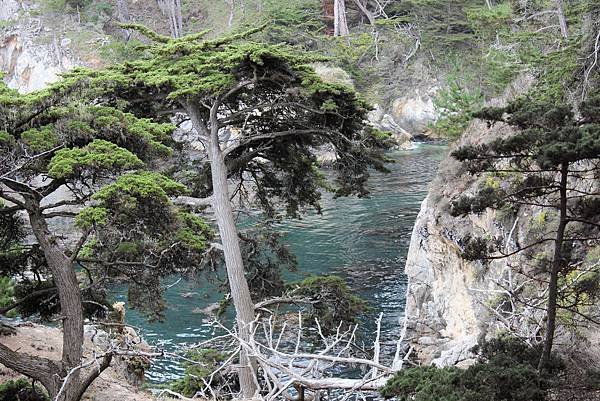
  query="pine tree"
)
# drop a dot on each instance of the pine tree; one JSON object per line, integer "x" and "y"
{"x": 552, "y": 163}
{"x": 86, "y": 163}
{"x": 258, "y": 110}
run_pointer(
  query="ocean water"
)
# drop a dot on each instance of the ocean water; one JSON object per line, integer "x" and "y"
{"x": 363, "y": 240}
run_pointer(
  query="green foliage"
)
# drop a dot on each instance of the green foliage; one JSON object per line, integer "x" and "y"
{"x": 40, "y": 140}
{"x": 557, "y": 74}
{"x": 332, "y": 301}
{"x": 506, "y": 371}
{"x": 194, "y": 231}
{"x": 456, "y": 105}
{"x": 91, "y": 216}
{"x": 98, "y": 155}
{"x": 7, "y": 292}
{"x": 499, "y": 14}
{"x": 199, "y": 365}
{"x": 21, "y": 390}
{"x": 293, "y": 22}
{"x": 133, "y": 187}
{"x": 6, "y": 139}
{"x": 349, "y": 51}
{"x": 119, "y": 52}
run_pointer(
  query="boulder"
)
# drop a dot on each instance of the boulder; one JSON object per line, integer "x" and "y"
{"x": 415, "y": 112}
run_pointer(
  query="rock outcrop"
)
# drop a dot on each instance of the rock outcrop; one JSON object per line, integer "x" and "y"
{"x": 31, "y": 54}
{"x": 447, "y": 297}
{"x": 451, "y": 303}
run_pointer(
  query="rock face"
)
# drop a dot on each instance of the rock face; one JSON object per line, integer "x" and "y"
{"x": 451, "y": 303}
{"x": 410, "y": 115}
{"x": 28, "y": 61}
{"x": 447, "y": 297}
{"x": 9, "y": 9}
{"x": 415, "y": 112}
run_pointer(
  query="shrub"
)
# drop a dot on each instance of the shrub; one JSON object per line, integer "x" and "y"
{"x": 456, "y": 105}
{"x": 7, "y": 291}
{"x": 483, "y": 381}
{"x": 332, "y": 301}
{"x": 506, "y": 371}
{"x": 21, "y": 390}
{"x": 199, "y": 366}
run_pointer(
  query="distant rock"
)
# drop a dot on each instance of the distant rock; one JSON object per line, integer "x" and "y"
{"x": 415, "y": 112}
{"x": 209, "y": 310}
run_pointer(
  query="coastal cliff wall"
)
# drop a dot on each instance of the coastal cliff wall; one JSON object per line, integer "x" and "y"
{"x": 446, "y": 312}
{"x": 452, "y": 304}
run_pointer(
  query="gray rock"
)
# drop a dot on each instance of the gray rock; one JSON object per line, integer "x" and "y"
{"x": 447, "y": 295}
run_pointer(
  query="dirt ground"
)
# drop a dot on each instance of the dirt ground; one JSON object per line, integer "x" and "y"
{"x": 46, "y": 341}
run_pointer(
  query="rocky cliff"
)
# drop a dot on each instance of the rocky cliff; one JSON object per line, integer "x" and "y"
{"x": 453, "y": 304}
{"x": 32, "y": 54}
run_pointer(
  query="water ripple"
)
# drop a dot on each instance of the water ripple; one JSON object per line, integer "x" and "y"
{"x": 364, "y": 240}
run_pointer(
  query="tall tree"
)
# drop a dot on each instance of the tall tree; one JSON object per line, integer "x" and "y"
{"x": 260, "y": 111}
{"x": 340, "y": 23}
{"x": 65, "y": 156}
{"x": 552, "y": 162}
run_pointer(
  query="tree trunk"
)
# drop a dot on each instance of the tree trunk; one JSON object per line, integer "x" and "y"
{"x": 329, "y": 15}
{"x": 340, "y": 25}
{"x": 41, "y": 369}
{"x": 172, "y": 10}
{"x": 562, "y": 20}
{"x": 71, "y": 304}
{"x": 365, "y": 11}
{"x": 557, "y": 263}
{"x": 178, "y": 17}
{"x": 240, "y": 293}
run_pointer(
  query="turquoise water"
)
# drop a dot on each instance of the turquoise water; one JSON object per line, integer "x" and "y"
{"x": 363, "y": 240}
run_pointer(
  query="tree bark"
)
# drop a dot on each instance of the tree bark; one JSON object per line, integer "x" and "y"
{"x": 51, "y": 373}
{"x": 365, "y": 11}
{"x": 562, "y": 20}
{"x": 69, "y": 294}
{"x": 340, "y": 24}
{"x": 329, "y": 14}
{"x": 557, "y": 263}
{"x": 172, "y": 10}
{"x": 240, "y": 293}
{"x": 41, "y": 369}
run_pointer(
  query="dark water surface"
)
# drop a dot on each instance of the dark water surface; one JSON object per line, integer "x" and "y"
{"x": 363, "y": 240}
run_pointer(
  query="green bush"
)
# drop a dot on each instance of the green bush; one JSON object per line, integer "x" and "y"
{"x": 200, "y": 365}
{"x": 483, "y": 381}
{"x": 21, "y": 390}
{"x": 7, "y": 291}
{"x": 456, "y": 104}
{"x": 506, "y": 371}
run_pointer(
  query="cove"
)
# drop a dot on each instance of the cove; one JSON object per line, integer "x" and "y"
{"x": 363, "y": 240}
